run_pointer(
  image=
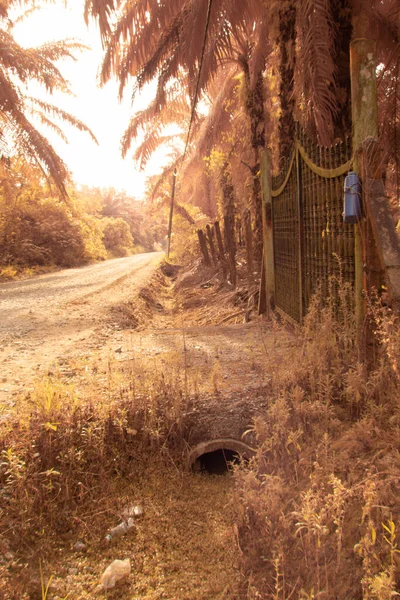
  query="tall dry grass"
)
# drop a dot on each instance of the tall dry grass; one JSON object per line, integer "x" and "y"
{"x": 65, "y": 452}
{"x": 317, "y": 510}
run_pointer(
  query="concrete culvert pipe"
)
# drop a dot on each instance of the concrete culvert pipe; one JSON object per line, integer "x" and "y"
{"x": 216, "y": 456}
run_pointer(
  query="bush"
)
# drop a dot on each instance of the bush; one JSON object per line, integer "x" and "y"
{"x": 42, "y": 233}
{"x": 92, "y": 233}
{"x": 317, "y": 509}
{"x": 117, "y": 237}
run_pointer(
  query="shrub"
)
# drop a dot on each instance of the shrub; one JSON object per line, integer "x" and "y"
{"x": 42, "y": 233}
{"x": 317, "y": 509}
{"x": 117, "y": 237}
{"x": 92, "y": 234}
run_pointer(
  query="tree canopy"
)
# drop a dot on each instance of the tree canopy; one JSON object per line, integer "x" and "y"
{"x": 258, "y": 66}
{"x": 19, "y": 111}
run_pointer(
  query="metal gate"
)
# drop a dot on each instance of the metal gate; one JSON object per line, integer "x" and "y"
{"x": 313, "y": 248}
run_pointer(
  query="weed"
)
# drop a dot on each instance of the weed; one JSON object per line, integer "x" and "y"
{"x": 8, "y": 272}
{"x": 330, "y": 437}
{"x": 62, "y": 447}
{"x": 44, "y": 589}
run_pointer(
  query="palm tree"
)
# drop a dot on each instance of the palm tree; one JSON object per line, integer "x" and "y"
{"x": 160, "y": 127}
{"x": 165, "y": 41}
{"x": 309, "y": 39}
{"x": 322, "y": 78}
{"x": 18, "y": 67}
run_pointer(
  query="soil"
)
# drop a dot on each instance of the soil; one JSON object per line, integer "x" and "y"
{"x": 188, "y": 328}
{"x": 47, "y": 319}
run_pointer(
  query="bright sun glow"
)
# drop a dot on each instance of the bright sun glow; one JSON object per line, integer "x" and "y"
{"x": 100, "y": 109}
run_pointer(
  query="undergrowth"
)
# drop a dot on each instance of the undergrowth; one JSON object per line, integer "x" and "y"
{"x": 63, "y": 452}
{"x": 317, "y": 510}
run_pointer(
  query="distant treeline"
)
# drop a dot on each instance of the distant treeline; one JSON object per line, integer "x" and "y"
{"x": 37, "y": 228}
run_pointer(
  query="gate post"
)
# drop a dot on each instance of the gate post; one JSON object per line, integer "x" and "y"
{"x": 268, "y": 239}
{"x": 365, "y": 124}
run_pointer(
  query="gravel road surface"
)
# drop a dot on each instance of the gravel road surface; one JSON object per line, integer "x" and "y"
{"x": 44, "y": 318}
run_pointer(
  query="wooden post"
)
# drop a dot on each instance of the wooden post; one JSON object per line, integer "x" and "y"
{"x": 229, "y": 230}
{"x": 239, "y": 231}
{"x": 211, "y": 243}
{"x": 203, "y": 247}
{"x": 249, "y": 245}
{"x": 268, "y": 237}
{"x": 221, "y": 251}
{"x": 171, "y": 212}
{"x": 365, "y": 125}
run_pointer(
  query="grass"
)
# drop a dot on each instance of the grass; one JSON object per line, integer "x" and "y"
{"x": 15, "y": 272}
{"x": 315, "y": 514}
{"x": 73, "y": 456}
{"x": 317, "y": 509}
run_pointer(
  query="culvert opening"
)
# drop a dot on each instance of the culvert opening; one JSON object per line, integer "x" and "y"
{"x": 216, "y": 457}
{"x": 217, "y": 462}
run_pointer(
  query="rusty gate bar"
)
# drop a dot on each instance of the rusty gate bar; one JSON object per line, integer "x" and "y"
{"x": 285, "y": 218}
{"x": 300, "y": 234}
{"x": 313, "y": 248}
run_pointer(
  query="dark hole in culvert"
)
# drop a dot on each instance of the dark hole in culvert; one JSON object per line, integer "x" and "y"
{"x": 218, "y": 462}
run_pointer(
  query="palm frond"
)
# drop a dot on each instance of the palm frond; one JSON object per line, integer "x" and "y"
{"x": 141, "y": 24}
{"x": 50, "y": 124}
{"x": 102, "y": 11}
{"x": 166, "y": 173}
{"x": 57, "y": 112}
{"x": 315, "y": 66}
{"x": 151, "y": 143}
{"x": 183, "y": 212}
{"x": 153, "y": 118}
{"x": 37, "y": 63}
{"x": 35, "y": 147}
{"x": 218, "y": 119}
{"x": 163, "y": 55}
{"x": 20, "y": 66}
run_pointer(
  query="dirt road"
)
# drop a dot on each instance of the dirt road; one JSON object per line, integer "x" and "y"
{"x": 44, "y": 318}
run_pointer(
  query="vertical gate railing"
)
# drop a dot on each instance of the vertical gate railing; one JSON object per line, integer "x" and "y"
{"x": 286, "y": 223}
{"x": 312, "y": 245}
{"x": 306, "y": 201}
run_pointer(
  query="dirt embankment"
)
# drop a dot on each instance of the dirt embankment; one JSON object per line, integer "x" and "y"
{"x": 210, "y": 341}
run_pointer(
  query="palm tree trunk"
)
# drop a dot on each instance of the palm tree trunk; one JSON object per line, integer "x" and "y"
{"x": 255, "y": 110}
{"x": 228, "y": 192}
{"x": 287, "y": 42}
{"x": 342, "y": 16}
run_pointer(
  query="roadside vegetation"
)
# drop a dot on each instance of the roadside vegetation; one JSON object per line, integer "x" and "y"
{"x": 45, "y": 221}
{"x": 39, "y": 230}
{"x": 313, "y": 515}
{"x": 317, "y": 509}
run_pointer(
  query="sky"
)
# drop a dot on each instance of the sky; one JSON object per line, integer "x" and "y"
{"x": 99, "y": 108}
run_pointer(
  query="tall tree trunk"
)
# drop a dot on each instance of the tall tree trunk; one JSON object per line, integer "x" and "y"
{"x": 257, "y": 204}
{"x": 210, "y": 203}
{"x": 255, "y": 107}
{"x": 287, "y": 43}
{"x": 228, "y": 192}
{"x": 342, "y": 16}
{"x": 255, "y": 111}
{"x": 228, "y": 198}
